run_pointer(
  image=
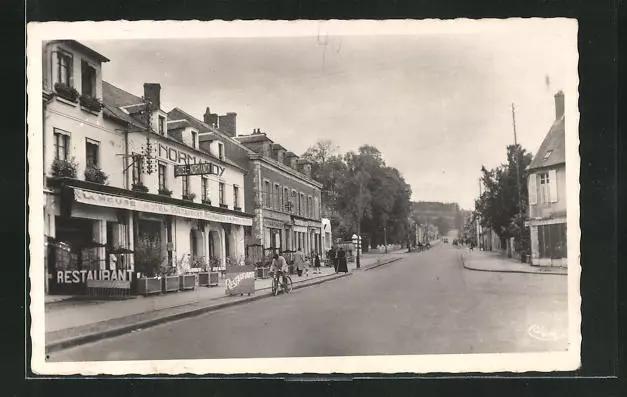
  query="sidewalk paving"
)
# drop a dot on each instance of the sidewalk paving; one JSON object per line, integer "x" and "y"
{"x": 73, "y": 322}
{"x": 495, "y": 262}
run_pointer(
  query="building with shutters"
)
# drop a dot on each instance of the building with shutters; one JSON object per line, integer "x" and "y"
{"x": 112, "y": 178}
{"x": 546, "y": 176}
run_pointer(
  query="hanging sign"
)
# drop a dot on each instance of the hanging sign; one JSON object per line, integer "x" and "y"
{"x": 240, "y": 280}
{"x": 198, "y": 169}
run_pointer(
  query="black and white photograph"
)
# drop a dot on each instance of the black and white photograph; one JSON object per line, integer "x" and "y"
{"x": 294, "y": 197}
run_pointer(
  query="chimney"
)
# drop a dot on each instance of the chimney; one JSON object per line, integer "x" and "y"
{"x": 210, "y": 119}
{"x": 152, "y": 91}
{"x": 227, "y": 124}
{"x": 559, "y": 105}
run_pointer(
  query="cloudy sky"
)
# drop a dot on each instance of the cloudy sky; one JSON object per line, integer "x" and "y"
{"x": 437, "y": 106}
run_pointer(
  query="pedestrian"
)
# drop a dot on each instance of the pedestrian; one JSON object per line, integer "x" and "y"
{"x": 342, "y": 266}
{"x": 331, "y": 255}
{"x": 316, "y": 263}
{"x": 299, "y": 262}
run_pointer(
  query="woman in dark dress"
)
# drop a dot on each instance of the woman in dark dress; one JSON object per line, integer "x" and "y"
{"x": 332, "y": 258}
{"x": 342, "y": 266}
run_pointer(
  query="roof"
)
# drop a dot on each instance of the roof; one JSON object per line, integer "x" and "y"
{"x": 178, "y": 124}
{"x": 178, "y": 114}
{"x": 114, "y": 97}
{"x": 254, "y": 138}
{"x": 82, "y": 47}
{"x": 277, "y": 146}
{"x": 552, "y": 151}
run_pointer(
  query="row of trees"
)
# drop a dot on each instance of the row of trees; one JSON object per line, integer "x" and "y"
{"x": 361, "y": 193}
{"x": 500, "y": 207}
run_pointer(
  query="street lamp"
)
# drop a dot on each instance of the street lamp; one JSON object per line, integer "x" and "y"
{"x": 357, "y": 244}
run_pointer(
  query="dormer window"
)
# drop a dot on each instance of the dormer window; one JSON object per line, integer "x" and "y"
{"x": 220, "y": 151}
{"x": 161, "y": 125}
{"x": 194, "y": 139}
{"x": 547, "y": 154}
{"x": 88, "y": 79}
{"x": 64, "y": 71}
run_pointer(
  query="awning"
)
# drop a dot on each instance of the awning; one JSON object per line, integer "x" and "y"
{"x": 108, "y": 200}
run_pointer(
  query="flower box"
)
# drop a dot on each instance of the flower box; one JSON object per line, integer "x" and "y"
{"x": 187, "y": 281}
{"x": 96, "y": 175}
{"x": 224, "y": 206}
{"x": 170, "y": 283}
{"x": 208, "y": 279}
{"x": 262, "y": 272}
{"x": 139, "y": 188}
{"x": 147, "y": 286}
{"x": 189, "y": 196}
{"x": 203, "y": 279}
{"x": 206, "y": 201}
{"x": 66, "y": 92}
{"x": 165, "y": 192}
{"x": 64, "y": 168}
{"x": 237, "y": 208}
{"x": 90, "y": 103}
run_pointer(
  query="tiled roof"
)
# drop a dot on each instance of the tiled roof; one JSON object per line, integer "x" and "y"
{"x": 178, "y": 114}
{"x": 117, "y": 96}
{"x": 554, "y": 145}
{"x": 178, "y": 124}
{"x": 253, "y": 138}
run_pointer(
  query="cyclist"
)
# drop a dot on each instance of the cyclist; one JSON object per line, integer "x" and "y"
{"x": 279, "y": 267}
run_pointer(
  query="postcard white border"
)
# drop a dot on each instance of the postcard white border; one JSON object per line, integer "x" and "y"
{"x": 421, "y": 364}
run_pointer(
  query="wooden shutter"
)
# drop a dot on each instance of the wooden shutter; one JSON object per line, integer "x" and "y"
{"x": 533, "y": 190}
{"x": 553, "y": 186}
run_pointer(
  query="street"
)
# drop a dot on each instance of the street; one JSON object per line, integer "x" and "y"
{"x": 425, "y": 303}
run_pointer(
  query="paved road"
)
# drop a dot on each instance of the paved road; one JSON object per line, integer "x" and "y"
{"x": 426, "y": 303}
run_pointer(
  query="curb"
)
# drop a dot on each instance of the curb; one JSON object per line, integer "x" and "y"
{"x": 125, "y": 329}
{"x": 381, "y": 264}
{"x": 476, "y": 269}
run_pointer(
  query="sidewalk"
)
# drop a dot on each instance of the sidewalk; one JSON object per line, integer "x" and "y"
{"x": 495, "y": 262}
{"x": 73, "y": 322}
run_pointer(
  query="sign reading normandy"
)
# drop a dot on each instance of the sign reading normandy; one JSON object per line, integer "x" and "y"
{"x": 107, "y": 200}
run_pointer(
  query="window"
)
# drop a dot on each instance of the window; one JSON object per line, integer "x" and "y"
{"x": 301, "y": 208}
{"x": 235, "y": 196}
{"x": 193, "y": 242}
{"x": 294, "y": 203}
{"x": 286, "y": 200}
{"x": 268, "y": 194}
{"x": 162, "y": 181}
{"x": 61, "y": 144}
{"x": 185, "y": 181}
{"x": 545, "y": 192}
{"x": 309, "y": 207}
{"x": 221, "y": 192}
{"x": 547, "y": 154}
{"x": 64, "y": 71}
{"x": 161, "y": 125}
{"x": 277, "y": 197}
{"x": 220, "y": 151}
{"x": 194, "y": 133}
{"x": 91, "y": 151}
{"x": 205, "y": 188}
{"x": 88, "y": 79}
{"x": 137, "y": 169}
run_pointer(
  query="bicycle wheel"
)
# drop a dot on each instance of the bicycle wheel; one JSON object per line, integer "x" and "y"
{"x": 288, "y": 285}
{"x": 275, "y": 287}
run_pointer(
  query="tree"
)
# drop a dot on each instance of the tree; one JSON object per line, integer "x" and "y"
{"x": 500, "y": 207}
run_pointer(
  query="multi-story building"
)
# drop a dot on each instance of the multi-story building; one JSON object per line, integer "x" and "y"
{"x": 118, "y": 171}
{"x": 546, "y": 177}
{"x": 282, "y": 196}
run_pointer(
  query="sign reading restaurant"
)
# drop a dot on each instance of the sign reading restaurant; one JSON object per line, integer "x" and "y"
{"x": 188, "y": 164}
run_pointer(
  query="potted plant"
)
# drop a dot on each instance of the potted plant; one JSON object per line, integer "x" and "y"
{"x": 66, "y": 92}
{"x": 203, "y": 270}
{"x": 170, "y": 279}
{"x": 223, "y": 205}
{"x": 64, "y": 168}
{"x": 90, "y": 103}
{"x": 187, "y": 279}
{"x": 96, "y": 175}
{"x": 206, "y": 201}
{"x": 189, "y": 196}
{"x": 139, "y": 187}
{"x": 148, "y": 259}
{"x": 214, "y": 274}
{"x": 165, "y": 192}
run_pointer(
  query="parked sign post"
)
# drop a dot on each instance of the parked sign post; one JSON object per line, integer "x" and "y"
{"x": 240, "y": 280}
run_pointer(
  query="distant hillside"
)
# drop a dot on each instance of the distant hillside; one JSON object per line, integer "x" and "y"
{"x": 446, "y": 216}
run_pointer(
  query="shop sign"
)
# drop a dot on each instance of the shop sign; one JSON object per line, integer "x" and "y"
{"x": 198, "y": 169}
{"x": 240, "y": 280}
{"x": 273, "y": 224}
{"x": 106, "y": 200}
{"x": 299, "y": 222}
{"x": 83, "y": 276}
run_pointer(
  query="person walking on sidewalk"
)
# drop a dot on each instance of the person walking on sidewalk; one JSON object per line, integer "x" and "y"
{"x": 342, "y": 266}
{"x": 331, "y": 255}
{"x": 299, "y": 262}
{"x": 316, "y": 263}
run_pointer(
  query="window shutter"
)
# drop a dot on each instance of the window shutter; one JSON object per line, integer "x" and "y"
{"x": 533, "y": 190}
{"x": 553, "y": 186}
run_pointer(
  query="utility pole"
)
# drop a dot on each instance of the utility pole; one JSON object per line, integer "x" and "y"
{"x": 520, "y": 209}
{"x": 359, "y": 210}
{"x": 385, "y": 237}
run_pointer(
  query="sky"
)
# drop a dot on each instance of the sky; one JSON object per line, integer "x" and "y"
{"x": 437, "y": 105}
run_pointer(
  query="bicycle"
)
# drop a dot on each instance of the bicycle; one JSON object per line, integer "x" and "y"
{"x": 278, "y": 287}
